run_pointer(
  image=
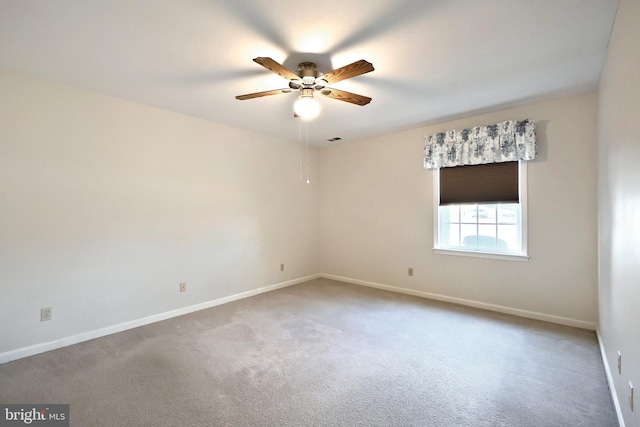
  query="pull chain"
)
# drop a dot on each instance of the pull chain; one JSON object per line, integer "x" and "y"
{"x": 308, "y": 181}
{"x": 302, "y": 148}
{"x": 300, "y": 134}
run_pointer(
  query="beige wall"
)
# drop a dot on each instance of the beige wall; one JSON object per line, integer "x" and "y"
{"x": 619, "y": 205}
{"x": 377, "y": 216}
{"x": 106, "y": 205}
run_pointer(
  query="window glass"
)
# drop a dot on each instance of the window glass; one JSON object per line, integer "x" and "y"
{"x": 491, "y": 227}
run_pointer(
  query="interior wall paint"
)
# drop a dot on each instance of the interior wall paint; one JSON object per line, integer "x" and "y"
{"x": 619, "y": 206}
{"x": 377, "y": 216}
{"x": 107, "y": 205}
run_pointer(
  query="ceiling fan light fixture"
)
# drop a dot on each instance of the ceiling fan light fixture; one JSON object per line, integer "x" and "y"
{"x": 306, "y": 107}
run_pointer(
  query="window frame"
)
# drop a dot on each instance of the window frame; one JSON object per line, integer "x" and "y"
{"x": 523, "y": 255}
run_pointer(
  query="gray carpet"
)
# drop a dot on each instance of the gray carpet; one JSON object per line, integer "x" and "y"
{"x": 325, "y": 353}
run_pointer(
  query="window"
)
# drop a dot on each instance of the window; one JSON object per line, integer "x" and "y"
{"x": 481, "y": 210}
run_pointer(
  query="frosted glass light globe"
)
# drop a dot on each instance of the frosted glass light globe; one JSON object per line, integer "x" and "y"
{"x": 306, "y": 107}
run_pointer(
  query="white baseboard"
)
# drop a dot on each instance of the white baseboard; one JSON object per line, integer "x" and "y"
{"x": 612, "y": 387}
{"x": 491, "y": 307}
{"x": 86, "y": 336}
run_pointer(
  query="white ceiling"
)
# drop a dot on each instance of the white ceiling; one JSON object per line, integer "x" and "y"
{"x": 434, "y": 59}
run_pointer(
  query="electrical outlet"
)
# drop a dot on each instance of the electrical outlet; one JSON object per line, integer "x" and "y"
{"x": 631, "y": 395}
{"x": 281, "y": 267}
{"x": 619, "y": 363}
{"x": 183, "y": 287}
{"x": 45, "y": 314}
{"x": 410, "y": 271}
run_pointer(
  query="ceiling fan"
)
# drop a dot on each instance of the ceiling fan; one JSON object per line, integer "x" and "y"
{"x": 308, "y": 80}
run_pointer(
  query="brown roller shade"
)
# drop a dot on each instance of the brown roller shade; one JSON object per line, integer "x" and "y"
{"x": 490, "y": 183}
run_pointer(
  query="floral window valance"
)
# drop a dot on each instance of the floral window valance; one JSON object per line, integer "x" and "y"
{"x": 503, "y": 142}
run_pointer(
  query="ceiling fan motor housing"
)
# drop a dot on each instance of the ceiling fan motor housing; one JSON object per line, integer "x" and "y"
{"x": 308, "y": 69}
{"x": 311, "y": 77}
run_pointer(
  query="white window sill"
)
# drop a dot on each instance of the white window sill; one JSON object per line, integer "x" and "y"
{"x": 477, "y": 254}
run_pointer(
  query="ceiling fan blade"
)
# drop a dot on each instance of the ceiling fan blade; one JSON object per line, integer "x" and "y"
{"x": 348, "y": 71}
{"x": 265, "y": 93}
{"x": 276, "y": 67}
{"x": 343, "y": 95}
